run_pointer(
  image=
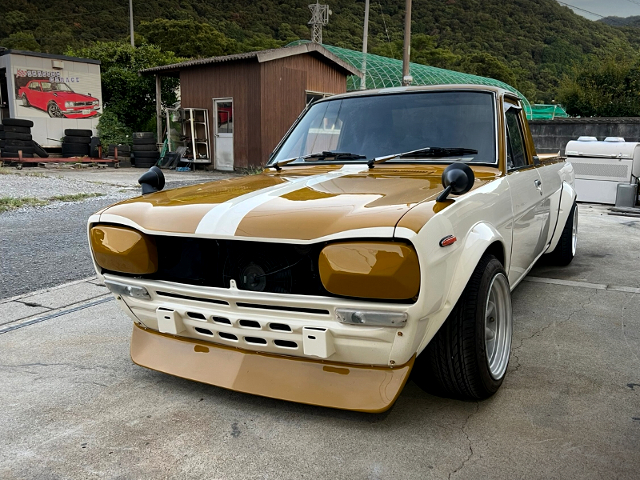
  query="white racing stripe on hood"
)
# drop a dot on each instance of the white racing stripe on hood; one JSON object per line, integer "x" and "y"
{"x": 223, "y": 219}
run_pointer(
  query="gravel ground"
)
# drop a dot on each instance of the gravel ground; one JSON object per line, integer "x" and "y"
{"x": 45, "y": 246}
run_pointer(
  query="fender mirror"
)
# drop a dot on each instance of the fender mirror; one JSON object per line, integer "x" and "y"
{"x": 457, "y": 178}
{"x": 152, "y": 181}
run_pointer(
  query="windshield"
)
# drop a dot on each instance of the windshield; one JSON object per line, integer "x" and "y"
{"x": 375, "y": 126}
{"x": 55, "y": 87}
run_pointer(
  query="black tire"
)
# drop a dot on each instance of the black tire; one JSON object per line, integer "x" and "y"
{"x": 145, "y": 148}
{"x": 15, "y": 143}
{"x": 566, "y": 249}
{"x": 38, "y": 150}
{"x": 74, "y": 132}
{"x": 1, "y": 128}
{"x": 14, "y": 150}
{"x": 154, "y": 154}
{"x": 145, "y": 162}
{"x": 454, "y": 363}
{"x": 72, "y": 139}
{"x": 54, "y": 111}
{"x": 147, "y": 135}
{"x": 144, "y": 141}
{"x": 25, "y": 101}
{"x": 12, "y": 155}
{"x": 17, "y": 122}
{"x": 12, "y": 129}
{"x": 17, "y": 136}
{"x": 75, "y": 150}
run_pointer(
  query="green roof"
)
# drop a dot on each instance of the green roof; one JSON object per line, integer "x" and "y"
{"x": 384, "y": 72}
{"x": 547, "y": 112}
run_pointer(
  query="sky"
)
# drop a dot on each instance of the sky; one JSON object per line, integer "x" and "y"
{"x": 605, "y": 8}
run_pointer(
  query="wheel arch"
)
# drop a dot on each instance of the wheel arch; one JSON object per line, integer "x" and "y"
{"x": 568, "y": 197}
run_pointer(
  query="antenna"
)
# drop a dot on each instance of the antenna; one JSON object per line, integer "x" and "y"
{"x": 319, "y": 18}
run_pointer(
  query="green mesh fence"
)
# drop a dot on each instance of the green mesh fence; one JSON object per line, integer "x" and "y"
{"x": 547, "y": 112}
{"x": 384, "y": 72}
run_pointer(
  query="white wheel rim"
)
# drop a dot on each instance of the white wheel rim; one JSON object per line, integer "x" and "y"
{"x": 498, "y": 326}
{"x": 574, "y": 231}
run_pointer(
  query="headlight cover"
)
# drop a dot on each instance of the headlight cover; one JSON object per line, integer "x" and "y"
{"x": 123, "y": 250}
{"x": 381, "y": 270}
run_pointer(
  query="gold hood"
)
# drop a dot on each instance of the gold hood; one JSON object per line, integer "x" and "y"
{"x": 298, "y": 203}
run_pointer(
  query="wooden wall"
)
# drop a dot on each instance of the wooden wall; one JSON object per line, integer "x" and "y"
{"x": 267, "y": 98}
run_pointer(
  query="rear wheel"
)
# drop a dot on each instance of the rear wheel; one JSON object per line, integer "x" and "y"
{"x": 469, "y": 355}
{"x": 25, "y": 101}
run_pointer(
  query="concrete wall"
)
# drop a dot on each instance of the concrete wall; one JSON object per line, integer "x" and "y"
{"x": 552, "y": 135}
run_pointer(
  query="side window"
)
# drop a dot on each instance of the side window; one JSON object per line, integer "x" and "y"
{"x": 35, "y": 86}
{"x": 516, "y": 153}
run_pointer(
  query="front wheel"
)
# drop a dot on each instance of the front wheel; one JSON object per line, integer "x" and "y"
{"x": 54, "y": 111}
{"x": 469, "y": 355}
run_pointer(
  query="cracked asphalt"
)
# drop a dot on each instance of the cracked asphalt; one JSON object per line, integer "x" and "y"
{"x": 75, "y": 407}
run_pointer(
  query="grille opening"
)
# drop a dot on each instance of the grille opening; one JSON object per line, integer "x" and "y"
{"x": 196, "y": 315}
{"x": 222, "y": 320}
{"x": 187, "y": 297}
{"x": 204, "y": 331}
{"x": 228, "y": 336}
{"x": 249, "y": 324}
{"x": 255, "y": 340}
{"x": 280, "y": 327}
{"x": 285, "y": 344}
{"x": 283, "y": 308}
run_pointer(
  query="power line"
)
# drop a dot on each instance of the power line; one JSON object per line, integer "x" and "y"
{"x": 581, "y": 9}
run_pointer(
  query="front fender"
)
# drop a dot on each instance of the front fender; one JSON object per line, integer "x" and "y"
{"x": 567, "y": 199}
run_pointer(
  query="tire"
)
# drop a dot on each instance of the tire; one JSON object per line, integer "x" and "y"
{"x": 17, "y": 122}
{"x": 461, "y": 361}
{"x": 147, "y": 135}
{"x": 567, "y": 245}
{"x": 14, "y": 150}
{"x": 74, "y": 132}
{"x": 15, "y": 143}
{"x": 154, "y": 154}
{"x": 145, "y": 162}
{"x": 17, "y": 136}
{"x": 12, "y": 155}
{"x": 54, "y": 111}
{"x": 72, "y": 139}
{"x": 145, "y": 148}
{"x": 38, "y": 150}
{"x": 75, "y": 150}
{"x": 12, "y": 129}
{"x": 25, "y": 101}
{"x": 144, "y": 141}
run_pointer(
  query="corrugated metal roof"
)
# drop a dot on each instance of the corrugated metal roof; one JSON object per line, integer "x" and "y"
{"x": 261, "y": 56}
{"x": 10, "y": 51}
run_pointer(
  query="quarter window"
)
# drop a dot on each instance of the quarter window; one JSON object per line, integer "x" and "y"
{"x": 516, "y": 154}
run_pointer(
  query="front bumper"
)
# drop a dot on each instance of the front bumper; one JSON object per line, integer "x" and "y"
{"x": 335, "y": 385}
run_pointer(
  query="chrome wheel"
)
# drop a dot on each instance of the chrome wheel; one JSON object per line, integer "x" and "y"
{"x": 498, "y": 326}
{"x": 574, "y": 231}
{"x": 54, "y": 111}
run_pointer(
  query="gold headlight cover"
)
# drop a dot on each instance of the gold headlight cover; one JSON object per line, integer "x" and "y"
{"x": 124, "y": 250}
{"x": 382, "y": 270}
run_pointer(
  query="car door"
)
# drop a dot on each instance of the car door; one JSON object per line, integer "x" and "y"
{"x": 525, "y": 186}
{"x": 35, "y": 94}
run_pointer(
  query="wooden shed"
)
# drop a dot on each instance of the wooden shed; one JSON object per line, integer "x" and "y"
{"x": 253, "y": 98}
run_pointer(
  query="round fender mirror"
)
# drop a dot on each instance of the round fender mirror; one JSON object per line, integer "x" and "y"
{"x": 457, "y": 178}
{"x": 152, "y": 181}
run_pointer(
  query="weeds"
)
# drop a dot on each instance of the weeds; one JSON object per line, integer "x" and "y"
{"x": 11, "y": 203}
{"x": 251, "y": 170}
{"x": 74, "y": 198}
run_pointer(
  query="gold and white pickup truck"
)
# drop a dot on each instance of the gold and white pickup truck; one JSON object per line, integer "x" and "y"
{"x": 383, "y": 238}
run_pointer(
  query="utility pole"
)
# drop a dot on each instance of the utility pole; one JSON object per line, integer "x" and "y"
{"x": 133, "y": 43}
{"x": 365, "y": 38}
{"x": 406, "y": 73}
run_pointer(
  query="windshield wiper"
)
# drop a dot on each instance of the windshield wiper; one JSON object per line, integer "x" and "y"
{"x": 424, "y": 153}
{"x": 320, "y": 156}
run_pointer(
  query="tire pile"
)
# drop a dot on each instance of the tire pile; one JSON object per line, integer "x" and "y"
{"x": 145, "y": 150}
{"x": 76, "y": 143}
{"x": 124, "y": 151}
{"x": 15, "y": 136}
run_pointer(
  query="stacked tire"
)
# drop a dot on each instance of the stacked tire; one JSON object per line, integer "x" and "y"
{"x": 145, "y": 150}
{"x": 15, "y": 136}
{"x": 124, "y": 151}
{"x": 76, "y": 143}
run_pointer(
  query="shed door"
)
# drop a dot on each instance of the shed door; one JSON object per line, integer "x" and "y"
{"x": 223, "y": 131}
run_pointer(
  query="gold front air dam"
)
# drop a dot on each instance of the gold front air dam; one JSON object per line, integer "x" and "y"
{"x": 348, "y": 387}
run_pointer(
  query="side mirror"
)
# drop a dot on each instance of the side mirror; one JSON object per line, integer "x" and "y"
{"x": 457, "y": 178}
{"x": 152, "y": 181}
{"x": 536, "y": 160}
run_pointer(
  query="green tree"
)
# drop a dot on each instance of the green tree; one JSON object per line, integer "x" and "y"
{"x": 21, "y": 41}
{"x": 187, "y": 38}
{"x": 126, "y": 94}
{"x": 609, "y": 89}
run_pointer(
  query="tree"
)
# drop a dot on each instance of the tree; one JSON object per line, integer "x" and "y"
{"x": 187, "y": 38}
{"x": 126, "y": 94}
{"x": 608, "y": 89}
{"x": 21, "y": 41}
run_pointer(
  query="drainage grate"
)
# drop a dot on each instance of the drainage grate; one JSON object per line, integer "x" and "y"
{"x": 285, "y": 344}
{"x": 228, "y": 336}
{"x": 249, "y": 324}
{"x": 204, "y": 331}
{"x": 255, "y": 340}
{"x": 280, "y": 327}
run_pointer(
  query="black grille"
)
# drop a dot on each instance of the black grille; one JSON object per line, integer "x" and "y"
{"x": 255, "y": 266}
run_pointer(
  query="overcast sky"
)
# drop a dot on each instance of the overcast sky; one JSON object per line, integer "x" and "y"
{"x": 606, "y": 8}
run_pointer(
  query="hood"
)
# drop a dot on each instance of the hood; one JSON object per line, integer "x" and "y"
{"x": 297, "y": 203}
{"x": 73, "y": 96}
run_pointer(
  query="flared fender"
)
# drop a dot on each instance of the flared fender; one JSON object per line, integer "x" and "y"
{"x": 567, "y": 199}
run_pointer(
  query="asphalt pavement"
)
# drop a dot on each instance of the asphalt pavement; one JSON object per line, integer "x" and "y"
{"x": 74, "y": 406}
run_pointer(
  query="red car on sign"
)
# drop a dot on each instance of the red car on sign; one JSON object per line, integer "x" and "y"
{"x": 58, "y": 99}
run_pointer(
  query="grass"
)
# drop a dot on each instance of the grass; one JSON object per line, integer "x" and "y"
{"x": 11, "y": 203}
{"x": 252, "y": 170}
